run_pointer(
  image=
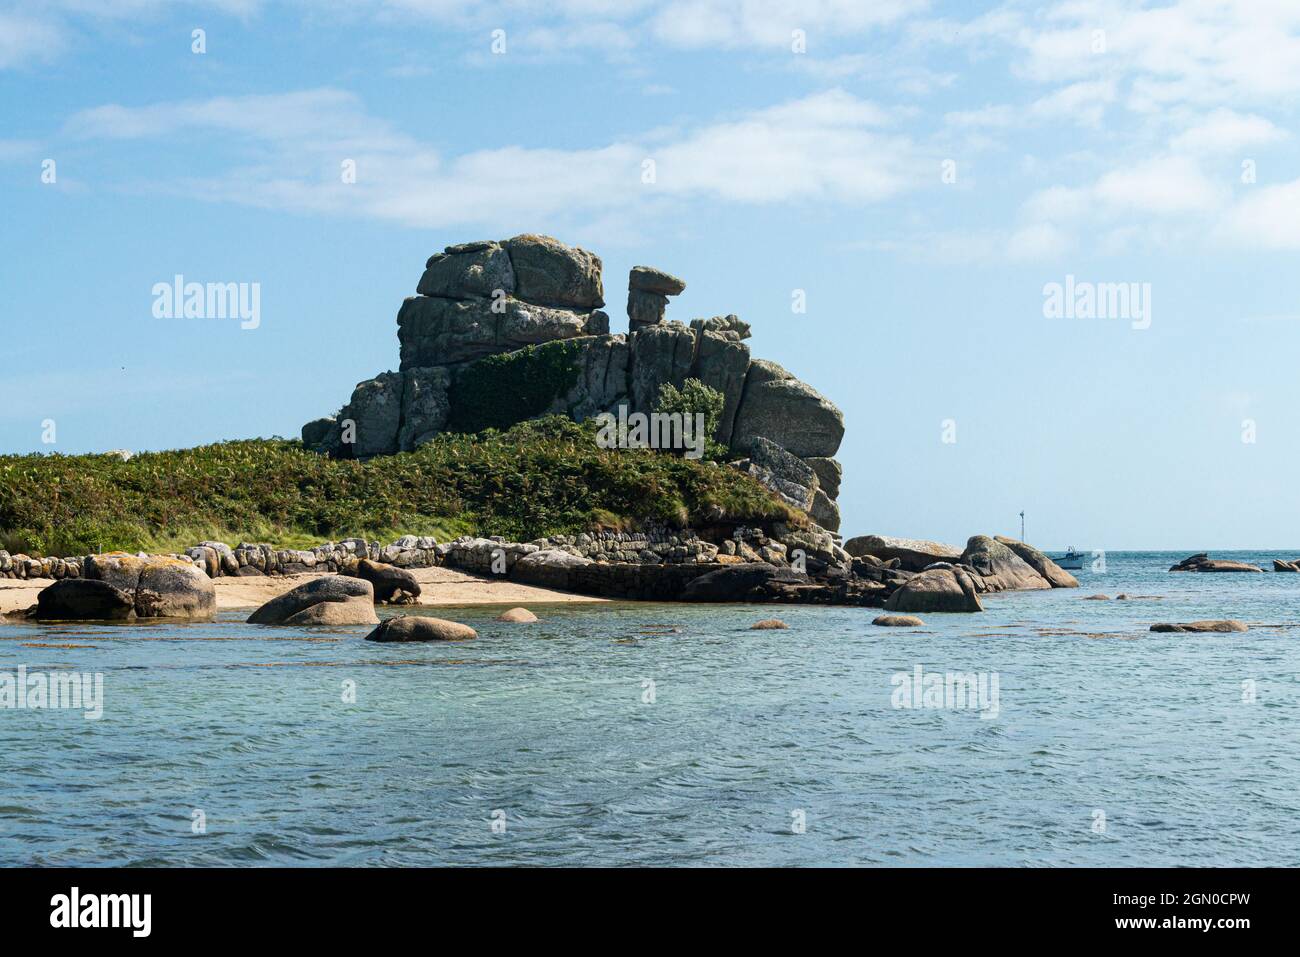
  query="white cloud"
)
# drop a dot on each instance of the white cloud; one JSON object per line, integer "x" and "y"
{"x": 1265, "y": 217}
{"x": 25, "y": 39}
{"x": 825, "y": 147}
{"x": 1224, "y": 131}
{"x": 770, "y": 23}
{"x": 1163, "y": 185}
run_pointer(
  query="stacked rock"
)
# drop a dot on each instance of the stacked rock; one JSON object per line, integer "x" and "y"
{"x": 647, "y": 296}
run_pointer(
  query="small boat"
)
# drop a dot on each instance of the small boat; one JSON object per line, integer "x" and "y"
{"x": 1071, "y": 560}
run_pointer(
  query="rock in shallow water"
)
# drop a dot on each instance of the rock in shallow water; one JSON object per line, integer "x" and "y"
{"x": 939, "y": 588}
{"x": 413, "y": 628}
{"x": 768, "y": 624}
{"x": 1224, "y": 625}
{"x": 355, "y": 595}
{"x": 522, "y": 615}
{"x": 77, "y": 599}
{"x": 898, "y": 621}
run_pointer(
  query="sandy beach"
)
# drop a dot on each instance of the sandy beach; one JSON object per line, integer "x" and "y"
{"x": 441, "y": 586}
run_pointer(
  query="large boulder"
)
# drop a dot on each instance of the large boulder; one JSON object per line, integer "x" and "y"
{"x": 913, "y": 554}
{"x": 357, "y": 594}
{"x": 375, "y": 414}
{"x": 943, "y": 587}
{"x": 721, "y": 363}
{"x": 647, "y": 296}
{"x": 791, "y": 413}
{"x": 1000, "y": 567}
{"x": 729, "y": 327}
{"x": 80, "y": 599}
{"x": 551, "y": 273}
{"x": 321, "y": 434}
{"x": 548, "y": 567}
{"x": 389, "y": 582}
{"x": 1056, "y": 576}
{"x": 479, "y": 270}
{"x": 739, "y": 582}
{"x": 425, "y": 406}
{"x": 433, "y": 331}
{"x": 161, "y": 587}
{"x": 419, "y": 628}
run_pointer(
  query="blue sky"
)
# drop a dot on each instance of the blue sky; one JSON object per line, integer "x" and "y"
{"x": 1113, "y": 142}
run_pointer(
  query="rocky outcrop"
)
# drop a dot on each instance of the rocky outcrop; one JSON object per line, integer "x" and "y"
{"x": 913, "y": 554}
{"x": 1202, "y": 562}
{"x": 354, "y": 598}
{"x": 943, "y": 587}
{"x": 412, "y": 628}
{"x": 1280, "y": 565}
{"x": 480, "y": 301}
{"x": 787, "y": 475}
{"x": 1054, "y": 574}
{"x": 739, "y": 582}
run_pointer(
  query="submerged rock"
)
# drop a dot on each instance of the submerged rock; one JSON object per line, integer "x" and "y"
{"x": 898, "y": 621}
{"x": 419, "y": 628}
{"x": 521, "y": 615}
{"x": 768, "y": 624}
{"x": 1224, "y": 625}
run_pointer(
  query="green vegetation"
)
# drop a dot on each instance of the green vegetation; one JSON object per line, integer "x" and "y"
{"x": 496, "y": 392}
{"x": 542, "y": 477}
{"x": 693, "y": 398}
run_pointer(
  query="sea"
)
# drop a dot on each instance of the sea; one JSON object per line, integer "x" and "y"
{"x": 1049, "y": 730}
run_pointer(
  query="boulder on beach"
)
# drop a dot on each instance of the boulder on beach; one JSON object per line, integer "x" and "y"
{"x": 521, "y": 615}
{"x": 354, "y": 596}
{"x": 548, "y": 567}
{"x": 897, "y": 621}
{"x": 768, "y": 624}
{"x": 1000, "y": 567}
{"x": 1055, "y": 575}
{"x": 391, "y": 584}
{"x": 79, "y": 599}
{"x": 161, "y": 587}
{"x": 419, "y": 628}
{"x": 939, "y": 588}
{"x": 1224, "y": 625}
{"x": 913, "y": 554}
{"x": 1202, "y": 562}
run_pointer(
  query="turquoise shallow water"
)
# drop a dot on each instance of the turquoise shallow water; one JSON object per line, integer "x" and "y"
{"x": 546, "y": 723}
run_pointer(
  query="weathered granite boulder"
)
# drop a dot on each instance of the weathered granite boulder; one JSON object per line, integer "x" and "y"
{"x": 660, "y": 354}
{"x": 1055, "y": 575}
{"x": 913, "y": 554}
{"x": 791, "y": 413}
{"x": 375, "y": 414}
{"x": 356, "y": 593}
{"x": 162, "y": 587}
{"x": 943, "y": 587}
{"x": 390, "y": 583}
{"x": 829, "y": 475}
{"x": 1227, "y": 625}
{"x": 601, "y": 384}
{"x": 425, "y": 406}
{"x": 517, "y": 616}
{"x": 80, "y": 599}
{"x": 769, "y": 624}
{"x": 551, "y": 273}
{"x": 419, "y": 628}
{"x": 1201, "y": 562}
{"x": 739, "y": 582}
{"x": 549, "y": 567}
{"x": 471, "y": 270}
{"x": 1000, "y": 567}
{"x": 321, "y": 434}
{"x": 1280, "y": 565}
{"x": 722, "y": 364}
{"x": 647, "y": 296}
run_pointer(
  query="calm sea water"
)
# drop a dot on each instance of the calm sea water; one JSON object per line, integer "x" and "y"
{"x": 750, "y": 733}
